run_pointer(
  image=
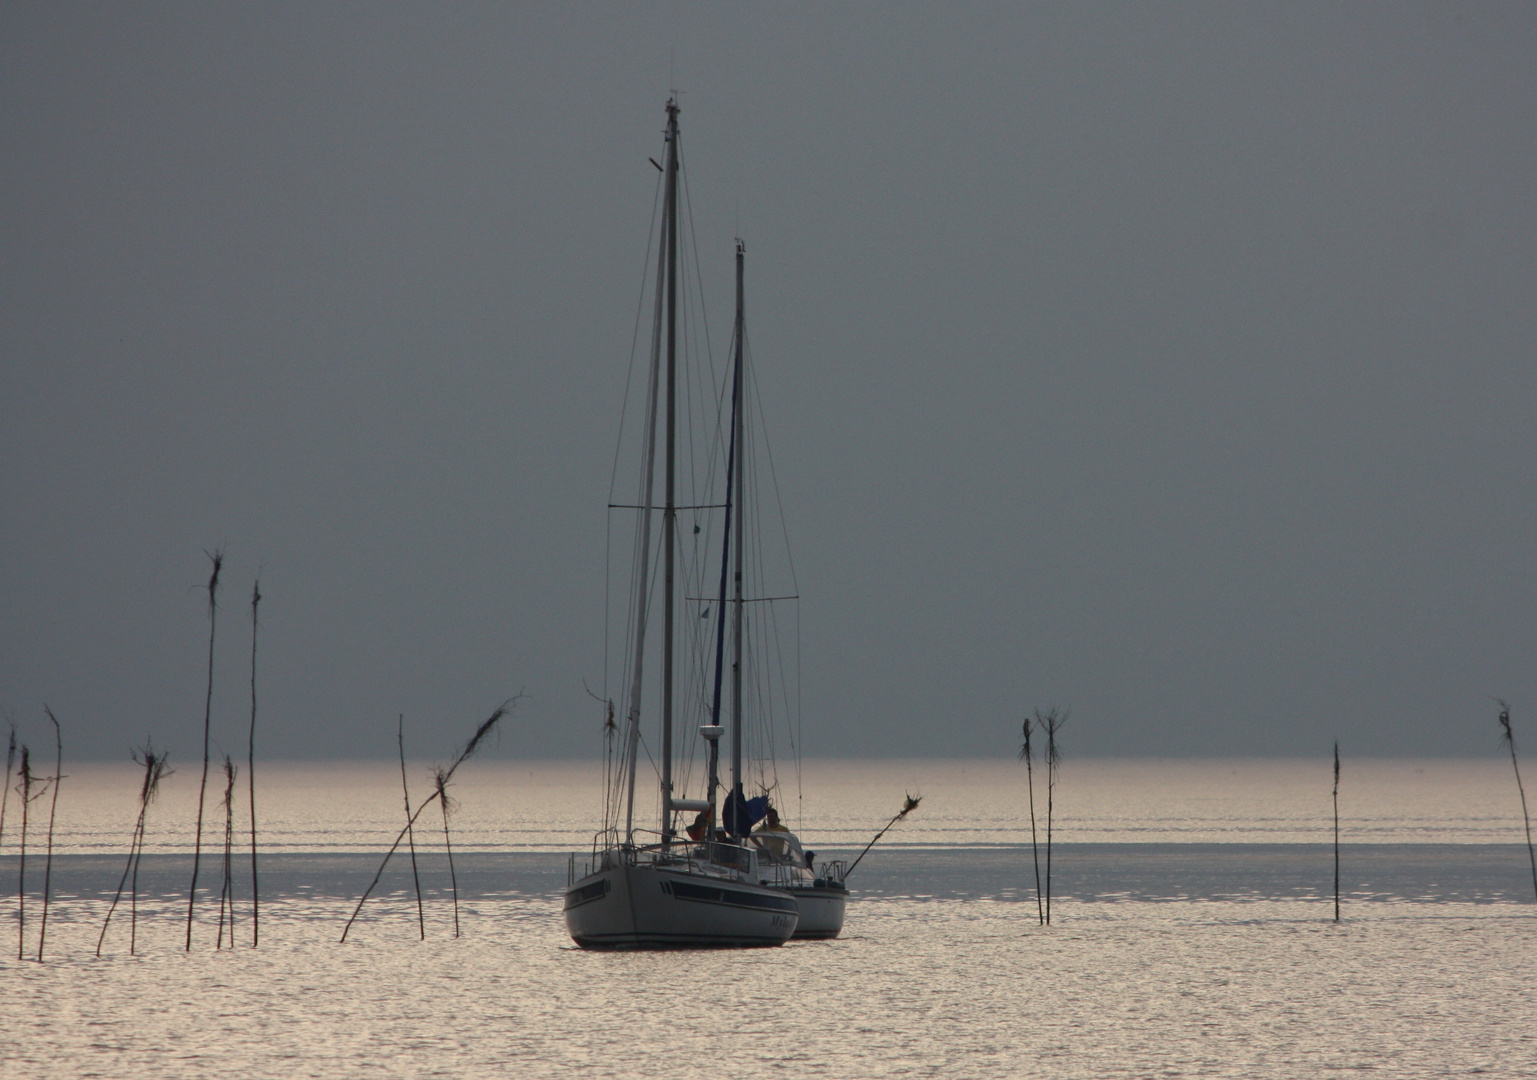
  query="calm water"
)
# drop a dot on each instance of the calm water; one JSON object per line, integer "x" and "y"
{"x": 1192, "y": 935}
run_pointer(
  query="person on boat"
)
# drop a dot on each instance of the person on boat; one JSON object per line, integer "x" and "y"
{"x": 776, "y": 849}
{"x": 701, "y": 826}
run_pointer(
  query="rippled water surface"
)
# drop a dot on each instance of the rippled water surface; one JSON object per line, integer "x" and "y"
{"x": 1192, "y": 936}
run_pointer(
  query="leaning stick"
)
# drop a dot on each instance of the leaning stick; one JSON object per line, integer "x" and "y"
{"x": 405, "y": 789}
{"x": 440, "y": 778}
{"x": 25, "y": 790}
{"x": 154, "y": 769}
{"x": 250, "y": 774}
{"x": 133, "y": 848}
{"x": 909, "y": 805}
{"x": 53, "y": 811}
{"x": 217, "y": 557}
{"x": 1028, "y": 757}
{"x": 1509, "y": 739}
{"x": 154, "y": 773}
{"x": 469, "y": 748}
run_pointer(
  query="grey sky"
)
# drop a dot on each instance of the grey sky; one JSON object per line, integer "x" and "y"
{"x": 1174, "y": 362}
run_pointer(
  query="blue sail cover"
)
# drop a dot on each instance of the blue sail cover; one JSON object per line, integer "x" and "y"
{"x": 741, "y": 815}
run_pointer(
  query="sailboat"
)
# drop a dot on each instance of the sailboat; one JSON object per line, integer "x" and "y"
{"x": 712, "y": 885}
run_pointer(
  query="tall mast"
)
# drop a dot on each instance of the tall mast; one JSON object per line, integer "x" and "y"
{"x": 739, "y": 422}
{"x": 670, "y": 509}
{"x": 642, "y": 597}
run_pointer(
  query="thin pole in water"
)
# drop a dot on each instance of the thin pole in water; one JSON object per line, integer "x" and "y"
{"x": 217, "y": 557}
{"x": 440, "y": 777}
{"x": 25, "y": 788}
{"x": 5, "y": 787}
{"x": 1027, "y": 755}
{"x": 1053, "y": 723}
{"x": 53, "y": 811}
{"x": 400, "y": 738}
{"x": 256, "y": 599}
{"x": 1509, "y": 739}
{"x": 226, "y": 886}
{"x": 1336, "y": 830}
{"x": 5, "y": 782}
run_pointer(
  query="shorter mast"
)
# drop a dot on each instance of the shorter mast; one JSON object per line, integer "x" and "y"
{"x": 670, "y": 510}
{"x": 738, "y": 423}
{"x": 725, "y": 554}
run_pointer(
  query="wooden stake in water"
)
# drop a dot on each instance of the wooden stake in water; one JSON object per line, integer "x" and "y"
{"x": 440, "y": 778}
{"x": 1028, "y": 757}
{"x": 1336, "y": 830}
{"x": 400, "y": 739}
{"x": 24, "y": 789}
{"x": 250, "y": 774}
{"x": 5, "y": 783}
{"x": 1053, "y": 722}
{"x": 217, "y": 557}
{"x": 1509, "y": 739}
{"x": 53, "y": 812}
{"x": 227, "y": 887}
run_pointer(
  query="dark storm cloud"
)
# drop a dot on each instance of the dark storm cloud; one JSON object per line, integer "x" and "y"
{"x": 1173, "y": 362}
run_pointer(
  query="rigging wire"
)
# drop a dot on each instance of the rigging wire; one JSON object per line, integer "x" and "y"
{"x": 766, "y": 659}
{"x": 608, "y": 532}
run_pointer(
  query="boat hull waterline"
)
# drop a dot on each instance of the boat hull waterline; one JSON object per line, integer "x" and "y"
{"x": 639, "y": 906}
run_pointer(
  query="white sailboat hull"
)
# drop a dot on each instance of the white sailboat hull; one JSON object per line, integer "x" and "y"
{"x": 646, "y": 906}
{"x": 822, "y": 909}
